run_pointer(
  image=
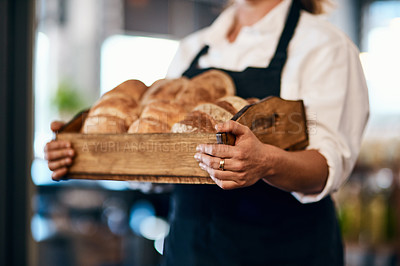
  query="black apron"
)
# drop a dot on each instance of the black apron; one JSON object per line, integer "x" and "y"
{"x": 256, "y": 225}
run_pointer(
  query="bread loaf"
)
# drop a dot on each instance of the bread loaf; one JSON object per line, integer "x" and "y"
{"x": 148, "y": 125}
{"x": 164, "y": 104}
{"x": 193, "y": 95}
{"x": 165, "y": 89}
{"x": 168, "y": 112}
{"x": 216, "y": 112}
{"x": 232, "y": 104}
{"x": 103, "y": 125}
{"x": 124, "y": 108}
{"x": 205, "y": 88}
{"x": 119, "y": 104}
{"x": 195, "y": 121}
{"x": 203, "y": 118}
{"x": 217, "y": 82}
{"x": 133, "y": 89}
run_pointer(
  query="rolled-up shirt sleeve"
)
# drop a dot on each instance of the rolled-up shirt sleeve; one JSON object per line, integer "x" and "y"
{"x": 335, "y": 95}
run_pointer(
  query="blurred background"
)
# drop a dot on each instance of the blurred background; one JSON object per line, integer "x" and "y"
{"x": 77, "y": 50}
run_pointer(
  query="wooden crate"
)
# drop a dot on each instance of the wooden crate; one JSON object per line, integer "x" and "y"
{"x": 168, "y": 157}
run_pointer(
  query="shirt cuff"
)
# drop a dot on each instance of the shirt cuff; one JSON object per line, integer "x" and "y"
{"x": 334, "y": 178}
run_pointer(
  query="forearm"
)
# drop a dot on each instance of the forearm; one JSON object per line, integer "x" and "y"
{"x": 300, "y": 171}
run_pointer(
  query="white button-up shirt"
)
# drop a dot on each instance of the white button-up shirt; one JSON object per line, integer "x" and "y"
{"x": 323, "y": 69}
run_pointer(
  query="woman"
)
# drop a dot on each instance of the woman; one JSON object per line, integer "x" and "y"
{"x": 271, "y": 207}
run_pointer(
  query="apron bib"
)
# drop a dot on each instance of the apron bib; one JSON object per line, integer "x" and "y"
{"x": 256, "y": 225}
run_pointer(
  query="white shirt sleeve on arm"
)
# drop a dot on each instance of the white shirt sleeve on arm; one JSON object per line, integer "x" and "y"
{"x": 335, "y": 95}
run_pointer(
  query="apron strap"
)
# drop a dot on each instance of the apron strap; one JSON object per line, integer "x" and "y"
{"x": 195, "y": 62}
{"x": 279, "y": 59}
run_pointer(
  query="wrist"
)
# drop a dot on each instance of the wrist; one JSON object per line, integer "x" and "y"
{"x": 273, "y": 160}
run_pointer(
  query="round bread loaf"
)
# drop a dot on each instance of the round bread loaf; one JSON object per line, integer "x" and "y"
{"x": 217, "y": 82}
{"x": 123, "y": 108}
{"x": 166, "y": 111}
{"x": 203, "y": 118}
{"x": 218, "y": 113}
{"x": 193, "y": 95}
{"x": 232, "y": 104}
{"x": 205, "y": 88}
{"x": 195, "y": 121}
{"x": 103, "y": 125}
{"x": 165, "y": 89}
{"x": 148, "y": 125}
{"x": 133, "y": 89}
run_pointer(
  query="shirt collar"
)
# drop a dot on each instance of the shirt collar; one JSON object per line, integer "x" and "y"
{"x": 271, "y": 22}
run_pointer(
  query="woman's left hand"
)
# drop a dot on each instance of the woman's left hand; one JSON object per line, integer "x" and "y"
{"x": 245, "y": 163}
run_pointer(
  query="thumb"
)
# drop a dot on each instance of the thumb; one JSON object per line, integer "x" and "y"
{"x": 56, "y": 125}
{"x": 232, "y": 126}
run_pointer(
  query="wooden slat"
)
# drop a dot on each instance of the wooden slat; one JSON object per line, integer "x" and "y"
{"x": 145, "y": 155}
{"x": 152, "y": 179}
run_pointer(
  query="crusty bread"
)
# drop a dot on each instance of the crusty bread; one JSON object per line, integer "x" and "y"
{"x": 123, "y": 108}
{"x": 103, "y": 125}
{"x": 217, "y": 82}
{"x": 133, "y": 89}
{"x": 168, "y": 112}
{"x": 165, "y": 89}
{"x": 205, "y": 88}
{"x": 195, "y": 121}
{"x": 148, "y": 125}
{"x": 203, "y": 118}
{"x": 232, "y": 104}
{"x": 121, "y": 103}
{"x": 218, "y": 113}
{"x": 193, "y": 95}
{"x": 165, "y": 103}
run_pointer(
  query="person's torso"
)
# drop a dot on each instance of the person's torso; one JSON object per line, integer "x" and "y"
{"x": 256, "y": 224}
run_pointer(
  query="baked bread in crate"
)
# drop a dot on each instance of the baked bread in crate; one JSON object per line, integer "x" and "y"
{"x": 150, "y": 134}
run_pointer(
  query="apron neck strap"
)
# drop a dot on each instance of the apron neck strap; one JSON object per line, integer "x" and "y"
{"x": 279, "y": 59}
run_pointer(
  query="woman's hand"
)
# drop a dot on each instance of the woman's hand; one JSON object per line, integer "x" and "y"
{"x": 59, "y": 154}
{"x": 250, "y": 160}
{"x": 245, "y": 163}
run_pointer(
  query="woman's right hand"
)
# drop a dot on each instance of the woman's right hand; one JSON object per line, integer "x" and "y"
{"x": 59, "y": 154}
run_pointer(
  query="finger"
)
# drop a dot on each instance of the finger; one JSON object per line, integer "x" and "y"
{"x": 217, "y": 150}
{"x": 56, "y": 144}
{"x": 54, "y": 165}
{"x": 59, "y": 154}
{"x": 233, "y": 127}
{"x": 214, "y": 162}
{"x": 59, "y": 173}
{"x": 223, "y": 175}
{"x": 225, "y": 184}
{"x": 56, "y": 125}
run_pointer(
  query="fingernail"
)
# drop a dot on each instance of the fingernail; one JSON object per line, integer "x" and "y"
{"x": 67, "y": 145}
{"x": 216, "y": 127}
{"x": 198, "y": 148}
{"x": 54, "y": 177}
{"x": 197, "y": 156}
{"x": 202, "y": 166}
{"x": 71, "y": 153}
